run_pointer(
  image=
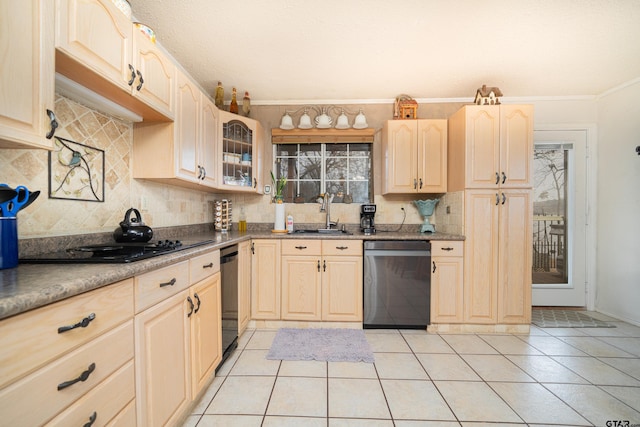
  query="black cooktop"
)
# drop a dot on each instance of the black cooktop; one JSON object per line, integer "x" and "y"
{"x": 116, "y": 253}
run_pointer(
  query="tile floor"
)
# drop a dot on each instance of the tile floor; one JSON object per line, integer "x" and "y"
{"x": 552, "y": 376}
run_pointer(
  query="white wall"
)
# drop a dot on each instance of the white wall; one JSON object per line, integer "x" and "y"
{"x": 618, "y": 204}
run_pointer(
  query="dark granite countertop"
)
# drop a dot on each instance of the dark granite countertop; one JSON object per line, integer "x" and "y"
{"x": 30, "y": 286}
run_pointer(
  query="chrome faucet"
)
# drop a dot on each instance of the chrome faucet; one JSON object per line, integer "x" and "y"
{"x": 326, "y": 207}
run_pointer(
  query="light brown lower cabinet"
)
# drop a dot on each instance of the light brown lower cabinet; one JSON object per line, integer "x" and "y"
{"x": 45, "y": 351}
{"x": 322, "y": 280}
{"x": 447, "y": 269}
{"x": 265, "y": 279}
{"x": 178, "y": 341}
{"x": 244, "y": 285}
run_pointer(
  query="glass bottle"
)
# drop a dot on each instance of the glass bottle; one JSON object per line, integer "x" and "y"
{"x": 219, "y": 96}
{"x": 242, "y": 222}
{"x": 233, "y": 107}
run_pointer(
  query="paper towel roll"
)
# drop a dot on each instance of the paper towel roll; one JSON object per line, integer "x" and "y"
{"x": 279, "y": 222}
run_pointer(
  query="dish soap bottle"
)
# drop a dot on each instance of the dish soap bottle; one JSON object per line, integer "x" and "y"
{"x": 233, "y": 107}
{"x": 289, "y": 223}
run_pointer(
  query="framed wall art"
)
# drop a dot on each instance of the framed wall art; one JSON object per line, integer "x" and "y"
{"x": 76, "y": 171}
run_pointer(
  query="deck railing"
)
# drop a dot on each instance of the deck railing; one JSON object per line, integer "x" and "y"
{"x": 548, "y": 243}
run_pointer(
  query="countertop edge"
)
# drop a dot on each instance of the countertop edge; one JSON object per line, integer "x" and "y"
{"x": 30, "y": 286}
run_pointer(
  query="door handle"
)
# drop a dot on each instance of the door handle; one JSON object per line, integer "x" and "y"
{"x": 191, "y": 306}
{"x": 81, "y": 324}
{"x": 434, "y": 267}
{"x": 504, "y": 177}
{"x": 504, "y": 198}
{"x": 497, "y": 178}
{"x": 53, "y": 123}
{"x": 497, "y": 199}
{"x": 133, "y": 75}
{"x": 421, "y": 183}
{"x": 141, "y": 81}
{"x": 83, "y": 377}
{"x": 415, "y": 184}
{"x": 199, "y": 302}
{"x": 318, "y": 266}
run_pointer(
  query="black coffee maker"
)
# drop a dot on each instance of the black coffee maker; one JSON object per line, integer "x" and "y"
{"x": 367, "y": 223}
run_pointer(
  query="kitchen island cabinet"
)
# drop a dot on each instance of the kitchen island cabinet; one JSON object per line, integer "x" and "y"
{"x": 415, "y": 156}
{"x": 98, "y": 47}
{"x": 27, "y": 69}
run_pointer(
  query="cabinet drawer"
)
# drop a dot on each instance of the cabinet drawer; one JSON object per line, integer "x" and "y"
{"x": 342, "y": 247}
{"x": 158, "y": 285}
{"x": 204, "y": 266}
{"x": 302, "y": 247}
{"x": 106, "y": 400}
{"x": 35, "y": 399}
{"x": 446, "y": 248}
{"x": 126, "y": 417}
{"x": 31, "y": 339}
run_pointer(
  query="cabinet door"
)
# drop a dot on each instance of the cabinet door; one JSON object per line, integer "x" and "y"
{"x": 432, "y": 156}
{"x": 481, "y": 255}
{"x": 516, "y": 146}
{"x": 482, "y": 125}
{"x": 98, "y": 35}
{"x": 342, "y": 288}
{"x": 301, "y": 288}
{"x": 265, "y": 279}
{"x": 27, "y": 70}
{"x": 244, "y": 285}
{"x": 208, "y": 143}
{"x": 514, "y": 274}
{"x": 163, "y": 377}
{"x": 158, "y": 74}
{"x": 238, "y": 139}
{"x": 446, "y": 290}
{"x": 206, "y": 337}
{"x": 186, "y": 128}
{"x": 399, "y": 151}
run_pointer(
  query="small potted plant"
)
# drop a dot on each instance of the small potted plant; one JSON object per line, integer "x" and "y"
{"x": 278, "y": 188}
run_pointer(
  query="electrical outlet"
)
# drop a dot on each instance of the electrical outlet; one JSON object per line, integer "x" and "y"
{"x": 448, "y": 209}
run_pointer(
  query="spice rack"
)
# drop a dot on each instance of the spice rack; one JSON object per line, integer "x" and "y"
{"x": 222, "y": 212}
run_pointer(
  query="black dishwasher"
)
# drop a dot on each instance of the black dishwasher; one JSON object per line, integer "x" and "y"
{"x": 397, "y": 284}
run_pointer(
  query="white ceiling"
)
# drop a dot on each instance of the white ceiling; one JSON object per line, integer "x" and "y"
{"x": 283, "y": 51}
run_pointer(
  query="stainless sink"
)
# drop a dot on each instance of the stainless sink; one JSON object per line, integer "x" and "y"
{"x": 320, "y": 231}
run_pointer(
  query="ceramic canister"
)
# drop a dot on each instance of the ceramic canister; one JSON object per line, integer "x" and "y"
{"x": 8, "y": 242}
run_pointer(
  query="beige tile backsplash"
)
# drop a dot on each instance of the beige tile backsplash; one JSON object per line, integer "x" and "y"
{"x": 168, "y": 205}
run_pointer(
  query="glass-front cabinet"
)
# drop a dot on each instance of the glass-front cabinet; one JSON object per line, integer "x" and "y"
{"x": 239, "y": 153}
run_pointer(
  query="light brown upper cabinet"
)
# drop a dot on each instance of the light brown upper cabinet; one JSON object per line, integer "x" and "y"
{"x": 496, "y": 149}
{"x": 415, "y": 156}
{"x": 98, "y": 47}
{"x": 27, "y": 83}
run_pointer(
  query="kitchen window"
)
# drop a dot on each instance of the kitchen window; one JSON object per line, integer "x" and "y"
{"x": 311, "y": 169}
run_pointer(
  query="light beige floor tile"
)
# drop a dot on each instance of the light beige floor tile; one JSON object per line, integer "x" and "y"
{"x": 191, "y": 421}
{"x": 299, "y": 396}
{"x": 596, "y": 347}
{"x": 356, "y": 398}
{"x": 629, "y": 395}
{"x": 630, "y": 345}
{"x": 208, "y": 396}
{"x": 627, "y": 328}
{"x": 475, "y": 401}
{"x": 508, "y": 344}
{"x": 253, "y": 362}
{"x": 228, "y": 364}
{"x": 544, "y": 369}
{"x": 242, "y": 396}
{"x": 565, "y": 332}
{"x": 469, "y": 424}
{"x": 468, "y": 344}
{"x": 230, "y": 421}
{"x": 415, "y": 400}
{"x": 403, "y": 423}
{"x": 303, "y": 368}
{"x": 399, "y": 366}
{"x": 535, "y": 330}
{"x": 427, "y": 343}
{"x": 354, "y": 422}
{"x": 496, "y": 368}
{"x": 628, "y": 366}
{"x": 596, "y": 372}
{"x": 244, "y": 338}
{"x": 535, "y": 404}
{"x": 270, "y": 421}
{"x": 552, "y": 346}
{"x": 261, "y": 340}
{"x": 352, "y": 370}
{"x": 387, "y": 342}
{"x": 592, "y": 403}
{"x": 605, "y": 332}
{"x": 447, "y": 367}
